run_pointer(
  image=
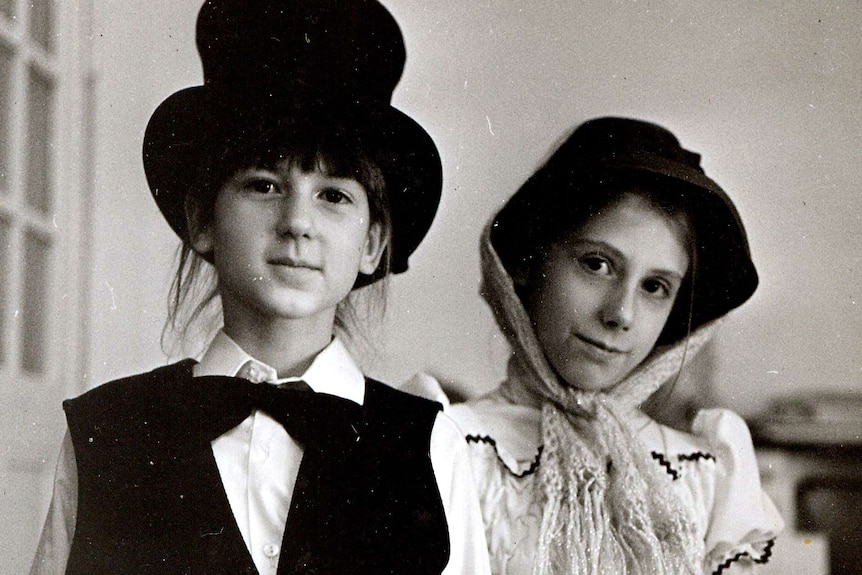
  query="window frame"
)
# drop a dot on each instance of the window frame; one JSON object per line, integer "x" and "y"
{"x": 69, "y": 182}
{"x": 31, "y": 420}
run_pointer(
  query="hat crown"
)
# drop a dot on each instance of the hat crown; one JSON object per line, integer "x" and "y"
{"x": 281, "y": 48}
{"x": 622, "y": 140}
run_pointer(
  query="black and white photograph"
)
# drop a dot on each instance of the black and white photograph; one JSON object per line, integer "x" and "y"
{"x": 458, "y": 287}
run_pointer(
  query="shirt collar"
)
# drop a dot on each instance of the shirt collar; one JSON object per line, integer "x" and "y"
{"x": 332, "y": 371}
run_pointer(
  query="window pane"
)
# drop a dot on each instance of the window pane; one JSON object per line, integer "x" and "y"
{"x": 5, "y": 262}
{"x": 42, "y": 23}
{"x": 5, "y": 114}
{"x": 34, "y": 323}
{"x": 39, "y": 113}
{"x": 7, "y": 7}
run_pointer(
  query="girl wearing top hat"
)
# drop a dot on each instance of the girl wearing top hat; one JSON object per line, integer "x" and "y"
{"x": 290, "y": 176}
{"x": 607, "y": 271}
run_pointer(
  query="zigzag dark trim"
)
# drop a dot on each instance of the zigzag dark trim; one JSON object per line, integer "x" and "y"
{"x": 764, "y": 557}
{"x": 727, "y": 563}
{"x": 666, "y": 464}
{"x": 767, "y": 552}
{"x": 490, "y": 441}
{"x": 695, "y": 456}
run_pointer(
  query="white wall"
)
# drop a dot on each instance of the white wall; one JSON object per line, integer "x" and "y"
{"x": 769, "y": 92}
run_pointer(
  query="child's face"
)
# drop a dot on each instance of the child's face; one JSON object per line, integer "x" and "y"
{"x": 602, "y": 295}
{"x": 289, "y": 244}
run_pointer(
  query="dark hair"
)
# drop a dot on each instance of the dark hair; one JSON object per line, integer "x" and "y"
{"x": 569, "y": 205}
{"x": 333, "y": 150}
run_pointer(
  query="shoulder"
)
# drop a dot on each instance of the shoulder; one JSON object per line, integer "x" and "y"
{"x": 729, "y": 440}
{"x": 446, "y": 431}
{"x": 134, "y": 392}
{"x": 499, "y": 433}
{"x": 717, "y": 446}
{"x": 148, "y": 405}
{"x": 425, "y": 385}
{"x": 721, "y": 435}
{"x": 715, "y": 434}
{"x": 399, "y": 415}
{"x": 497, "y": 429}
{"x": 142, "y": 384}
{"x": 721, "y": 427}
{"x": 382, "y": 396}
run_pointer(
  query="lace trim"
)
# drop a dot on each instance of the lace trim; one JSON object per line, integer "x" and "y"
{"x": 764, "y": 557}
{"x": 697, "y": 455}
{"x": 487, "y": 440}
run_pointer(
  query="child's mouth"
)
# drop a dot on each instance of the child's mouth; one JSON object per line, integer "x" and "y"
{"x": 294, "y": 263}
{"x": 600, "y": 346}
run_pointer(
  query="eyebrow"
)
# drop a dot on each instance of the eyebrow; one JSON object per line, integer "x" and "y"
{"x": 619, "y": 255}
{"x": 275, "y": 170}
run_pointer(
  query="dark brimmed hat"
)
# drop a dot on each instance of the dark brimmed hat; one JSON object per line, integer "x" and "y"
{"x": 611, "y": 149}
{"x": 296, "y": 63}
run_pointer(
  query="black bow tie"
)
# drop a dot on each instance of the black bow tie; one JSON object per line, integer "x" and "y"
{"x": 312, "y": 419}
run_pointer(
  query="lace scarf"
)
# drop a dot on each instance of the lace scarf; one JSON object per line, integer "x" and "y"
{"x": 607, "y": 509}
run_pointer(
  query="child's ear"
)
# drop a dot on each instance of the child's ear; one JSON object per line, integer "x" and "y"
{"x": 200, "y": 237}
{"x": 375, "y": 244}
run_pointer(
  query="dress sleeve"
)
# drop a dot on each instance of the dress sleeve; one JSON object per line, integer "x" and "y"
{"x": 56, "y": 541}
{"x": 744, "y": 522}
{"x": 427, "y": 386}
{"x": 451, "y": 464}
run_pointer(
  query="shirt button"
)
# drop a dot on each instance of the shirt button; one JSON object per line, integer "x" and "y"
{"x": 271, "y": 550}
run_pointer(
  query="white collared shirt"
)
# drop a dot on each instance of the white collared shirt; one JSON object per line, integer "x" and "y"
{"x": 257, "y": 460}
{"x": 258, "y": 463}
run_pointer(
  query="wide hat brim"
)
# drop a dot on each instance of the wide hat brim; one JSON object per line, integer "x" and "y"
{"x": 726, "y": 275}
{"x": 193, "y": 124}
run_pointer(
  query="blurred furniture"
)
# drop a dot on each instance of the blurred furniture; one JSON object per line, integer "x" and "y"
{"x": 810, "y": 453}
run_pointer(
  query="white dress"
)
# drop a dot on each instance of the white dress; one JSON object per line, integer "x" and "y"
{"x": 712, "y": 469}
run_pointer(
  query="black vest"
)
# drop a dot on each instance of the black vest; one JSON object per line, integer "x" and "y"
{"x": 150, "y": 498}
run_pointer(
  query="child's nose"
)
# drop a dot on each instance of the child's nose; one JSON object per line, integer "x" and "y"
{"x": 295, "y": 215}
{"x": 618, "y": 311}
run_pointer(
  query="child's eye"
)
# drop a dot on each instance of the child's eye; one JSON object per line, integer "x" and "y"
{"x": 595, "y": 264}
{"x": 657, "y": 288}
{"x": 334, "y": 196}
{"x": 262, "y": 186}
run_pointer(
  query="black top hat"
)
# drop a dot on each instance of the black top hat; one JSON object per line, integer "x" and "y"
{"x": 274, "y": 62}
{"x": 603, "y": 148}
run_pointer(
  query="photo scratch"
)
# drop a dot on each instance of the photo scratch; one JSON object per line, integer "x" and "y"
{"x": 113, "y": 299}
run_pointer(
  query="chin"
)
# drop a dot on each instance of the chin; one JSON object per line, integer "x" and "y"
{"x": 288, "y": 309}
{"x": 578, "y": 381}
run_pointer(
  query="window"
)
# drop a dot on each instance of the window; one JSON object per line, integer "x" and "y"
{"x": 44, "y": 186}
{"x": 28, "y": 103}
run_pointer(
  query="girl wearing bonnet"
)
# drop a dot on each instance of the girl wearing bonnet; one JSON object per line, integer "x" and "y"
{"x": 607, "y": 271}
